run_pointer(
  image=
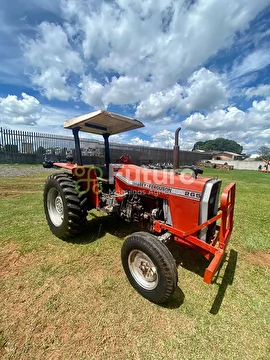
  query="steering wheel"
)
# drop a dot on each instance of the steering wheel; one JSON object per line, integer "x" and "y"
{"x": 195, "y": 170}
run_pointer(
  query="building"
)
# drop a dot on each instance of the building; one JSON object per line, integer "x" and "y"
{"x": 227, "y": 156}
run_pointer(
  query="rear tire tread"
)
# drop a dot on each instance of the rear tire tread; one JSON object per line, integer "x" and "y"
{"x": 75, "y": 205}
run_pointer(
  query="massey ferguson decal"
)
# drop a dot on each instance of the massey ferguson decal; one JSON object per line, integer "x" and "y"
{"x": 156, "y": 189}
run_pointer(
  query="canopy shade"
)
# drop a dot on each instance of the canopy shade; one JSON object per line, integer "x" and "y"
{"x": 103, "y": 122}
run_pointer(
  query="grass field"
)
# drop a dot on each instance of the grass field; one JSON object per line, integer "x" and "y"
{"x": 72, "y": 300}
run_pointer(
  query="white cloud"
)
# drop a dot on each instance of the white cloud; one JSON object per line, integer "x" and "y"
{"x": 118, "y": 138}
{"x": 53, "y": 84}
{"x": 158, "y": 103}
{"x": 140, "y": 142}
{"x": 252, "y": 62}
{"x": 152, "y": 44}
{"x": 52, "y": 49}
{"x": 163, "y": 138}
{"x": 250, "y": 128}
{"x": 219, "y": 120}
{"x": 261, "y": 90}
{"x": 24, "y": 111}
{"x": 205, "y": 91}
{"x": 126, "y": 90}
{"x": 53, "y": 61}
{"x": 262, "y": 109}
{"x": 27, "y": 113}
{"x": 92, "y": 92}
{"x": 128, "y": 44}
{"x": 120, "y": 91}
{"x": 165, "y": 121}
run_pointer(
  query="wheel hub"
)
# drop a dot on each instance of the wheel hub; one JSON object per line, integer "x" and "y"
{"x": 143, "y": 269}
{"x": 55, "y": 207}
{"x": 148, "y": 271}
{"x": 59, "y": 205}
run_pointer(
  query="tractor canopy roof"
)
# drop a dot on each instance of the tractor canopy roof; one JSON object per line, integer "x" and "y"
{"x": 103, "y": 122}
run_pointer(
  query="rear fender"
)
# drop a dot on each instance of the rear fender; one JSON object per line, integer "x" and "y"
{"x": 66, "y": 166}
{"x": 87, "y": 183}
{"x": 86, "y": 180}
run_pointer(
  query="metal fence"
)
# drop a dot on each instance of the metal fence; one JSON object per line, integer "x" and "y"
{"x": 29, "y": 148}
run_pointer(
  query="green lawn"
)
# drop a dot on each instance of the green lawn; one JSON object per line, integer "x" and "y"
{"x": 63, "y": 300}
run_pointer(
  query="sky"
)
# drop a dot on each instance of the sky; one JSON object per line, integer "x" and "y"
{"x": 203, "y": 65}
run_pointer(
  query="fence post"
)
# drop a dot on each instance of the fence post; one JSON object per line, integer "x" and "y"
{"x": 2, "y": 139}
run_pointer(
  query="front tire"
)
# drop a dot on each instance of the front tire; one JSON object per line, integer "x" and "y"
{"x": 65, "y": 208}
{"x": 149, "y": 266}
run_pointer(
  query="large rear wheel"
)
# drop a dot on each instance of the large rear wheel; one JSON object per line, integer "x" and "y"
{"x": 65, "y": 207}
{"x": 149, "y": 266}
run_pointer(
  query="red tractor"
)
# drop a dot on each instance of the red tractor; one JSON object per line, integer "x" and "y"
{"x": 179, "y": 206}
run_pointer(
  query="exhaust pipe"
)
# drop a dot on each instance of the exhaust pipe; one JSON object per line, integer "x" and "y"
{"x": 176, "y": 150}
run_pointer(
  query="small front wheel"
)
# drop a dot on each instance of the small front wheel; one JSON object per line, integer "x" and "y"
{"x": 149, "y": 266}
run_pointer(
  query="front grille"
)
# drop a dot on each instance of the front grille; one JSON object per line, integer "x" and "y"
{"x": 209, "y": 208}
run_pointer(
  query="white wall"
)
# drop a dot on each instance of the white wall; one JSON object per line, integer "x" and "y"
{"x": 241, "y": 164}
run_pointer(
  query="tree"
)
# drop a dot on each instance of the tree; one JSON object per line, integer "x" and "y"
{"x": 264, "y": 152}
{"x": 219, "y": 144}
{"x": 198, "y": 145}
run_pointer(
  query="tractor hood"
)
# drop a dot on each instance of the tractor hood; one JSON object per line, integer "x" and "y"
{"x": 103, "y": 122}
{"x": 159, "y": 182}
{"x": 187, "y": 201}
